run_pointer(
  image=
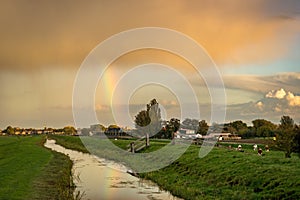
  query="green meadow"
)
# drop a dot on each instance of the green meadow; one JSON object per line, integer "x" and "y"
{"x": 30, "y": 171}
{"x": 223, "y": 174}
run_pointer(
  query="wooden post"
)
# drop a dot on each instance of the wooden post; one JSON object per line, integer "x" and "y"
{"x": 147, "y": 140}
{"x": 132, "y": 147}
{"x": 173, "y": 139}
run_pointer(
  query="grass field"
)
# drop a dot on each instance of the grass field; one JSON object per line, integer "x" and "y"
{"x": 223, "y": 174}
{"x": 228, "y": 174}
{"x": 30, "y": 171}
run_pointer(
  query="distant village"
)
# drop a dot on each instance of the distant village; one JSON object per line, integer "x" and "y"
{"x": 68, "y": 130}
{"x": 112, "y": 131}
{"x": 96, "y": 129}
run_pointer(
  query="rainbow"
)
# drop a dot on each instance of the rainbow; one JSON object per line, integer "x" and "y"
{"x": 107, "y": 84}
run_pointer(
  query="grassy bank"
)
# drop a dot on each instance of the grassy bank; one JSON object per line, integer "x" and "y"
{"x": 224, "y": 173}
{"x": 69, "y": 142}
{"x": 104, "y": 148}
{"x": 228, "y": 174}
{"x": 30, "y": 171}
{"x": 75, "y": 143}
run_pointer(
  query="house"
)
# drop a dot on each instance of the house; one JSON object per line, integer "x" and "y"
{"x": 229, "y": 136}
{"x": 193, "y": 136}
{"x": 17, "y": 133}
{"x": 186, "y": 131}
{"x": 222, "y": 136}
{"x": 95, "y": 129}
{"x": 113, "y": 130}
{"x": 48, "y": 131}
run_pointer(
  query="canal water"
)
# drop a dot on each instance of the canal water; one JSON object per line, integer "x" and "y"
{"x": 100, "y": 179}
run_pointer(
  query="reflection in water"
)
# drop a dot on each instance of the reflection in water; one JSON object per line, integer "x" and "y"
{"x": 99, "y": 179}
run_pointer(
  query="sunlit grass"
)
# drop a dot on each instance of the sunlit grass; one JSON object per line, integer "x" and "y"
{"x": 223, "y": 174}
{"x": 30, "y": 171}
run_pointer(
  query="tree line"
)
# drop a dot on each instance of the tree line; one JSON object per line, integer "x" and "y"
{"x": 286, "y": 134}
{"x": 67, "y": 130}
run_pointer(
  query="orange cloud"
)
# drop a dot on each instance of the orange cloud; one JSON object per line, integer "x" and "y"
{"x": 279, "y": 94}
{"x": 63, "y": 33}
{"x": 292, "y": 99}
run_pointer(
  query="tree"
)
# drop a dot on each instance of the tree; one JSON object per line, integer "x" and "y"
{"x": 149, "y": 121}
{"x": 249, "y": 133}
{"x": 203, "y": 127}
{"x": 298, "y": 139}
{"x": 229, "y": 128}
{"x": 175, "y": 123}
{"x": 169, "y": 128}
{"x": 172, "y": 127}
{"x": 155, "y": 117}
{"x": 142, "y": 119}
{"x": 9, "y": 130}
{"x": 97, "y": 128}
{"x": 287, "y": 122}
{"x": 69, "y": 130}
{"x": 286, "y": 136}
{"x": 239, "y": 126}
{"x": 264, "y": 128}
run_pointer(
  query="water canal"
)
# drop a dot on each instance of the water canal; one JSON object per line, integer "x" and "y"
{"x": 101, "y": 179}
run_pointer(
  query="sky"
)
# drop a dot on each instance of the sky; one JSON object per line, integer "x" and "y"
{"x": 254, "y": 44}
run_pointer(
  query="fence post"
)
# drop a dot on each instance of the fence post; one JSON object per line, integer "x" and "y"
{"x": 147, "y": 140}
{"x": 132, "y": 147}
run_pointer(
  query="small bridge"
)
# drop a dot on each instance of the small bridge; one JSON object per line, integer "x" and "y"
{"x": 139, "y": 144}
